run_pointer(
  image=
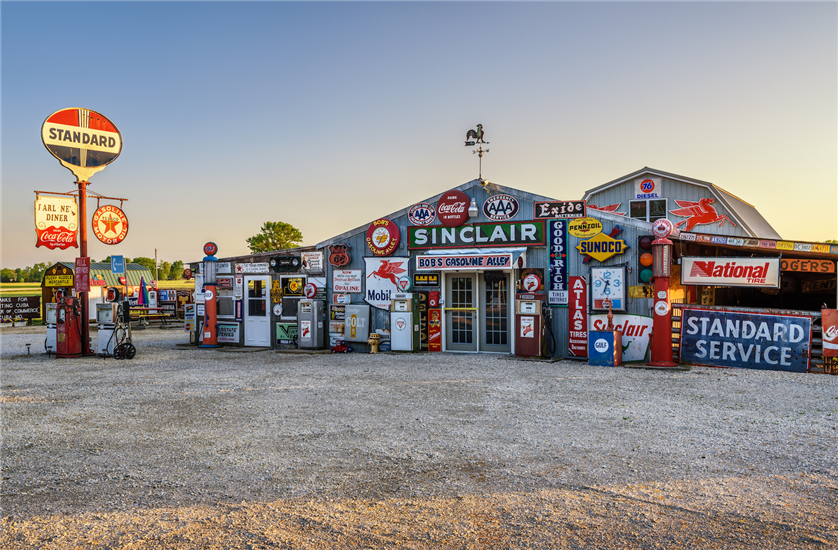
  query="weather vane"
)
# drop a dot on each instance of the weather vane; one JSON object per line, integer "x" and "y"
{"x": 475, "y": 137}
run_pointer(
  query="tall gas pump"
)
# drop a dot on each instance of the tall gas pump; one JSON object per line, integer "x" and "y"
{"x": 529, "y": 323}
{"x": 209, "y": 338}
{"x": 405, "y": 333}
{"x": 68, "y": 327}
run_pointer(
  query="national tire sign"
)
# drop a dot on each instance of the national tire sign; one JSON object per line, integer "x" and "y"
{"x": 84, "y": 141}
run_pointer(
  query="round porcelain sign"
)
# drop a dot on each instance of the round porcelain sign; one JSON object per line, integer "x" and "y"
{"x": 110, "y": 225}
{"x": 452, "y": 208}
{"x": 383, "y": 237}
{"x": 84, "y": 141}
{"x": 662, "y": 228}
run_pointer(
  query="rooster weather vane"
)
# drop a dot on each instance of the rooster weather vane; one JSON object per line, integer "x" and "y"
{"x": 476, "y": 137}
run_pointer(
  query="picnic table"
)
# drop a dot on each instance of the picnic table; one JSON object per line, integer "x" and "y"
{"x": 145, "y": 313}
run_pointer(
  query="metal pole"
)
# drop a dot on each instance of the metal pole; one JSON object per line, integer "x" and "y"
{"x": 85, "y": 321}
{"x": 156, "y": 270}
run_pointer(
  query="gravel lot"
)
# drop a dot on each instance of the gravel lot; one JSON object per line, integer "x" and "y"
{"x": 190, "y": 448}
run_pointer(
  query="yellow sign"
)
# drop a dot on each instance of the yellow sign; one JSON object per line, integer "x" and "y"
{"x": 58, "y": 280}
{"x": 601, "y": 247}
{"x": 584, "y": 227}
{"x": 783, "y": 245}
{"x": 642, "y": 291}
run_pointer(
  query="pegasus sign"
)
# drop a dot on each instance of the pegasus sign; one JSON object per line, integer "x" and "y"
{"x": 731, "y": 271}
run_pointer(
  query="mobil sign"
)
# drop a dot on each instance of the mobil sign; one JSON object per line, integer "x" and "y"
{"x": 723, "y": 338}
{"x": 731, "y": 271}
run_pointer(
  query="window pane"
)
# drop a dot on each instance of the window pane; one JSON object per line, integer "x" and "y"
{"x": 657, "y": 209}
{"x": 637, "y": 209}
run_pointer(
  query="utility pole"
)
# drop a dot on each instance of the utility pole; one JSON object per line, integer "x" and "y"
{"x": 156, "y": 270}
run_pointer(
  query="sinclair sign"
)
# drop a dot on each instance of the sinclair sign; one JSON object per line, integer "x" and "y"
{"x": 82, "y": 140}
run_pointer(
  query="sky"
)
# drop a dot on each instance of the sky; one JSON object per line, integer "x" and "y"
{"x": 329, "y": 115}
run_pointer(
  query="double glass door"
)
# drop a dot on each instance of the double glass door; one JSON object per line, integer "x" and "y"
{"x": 477, "y": 312}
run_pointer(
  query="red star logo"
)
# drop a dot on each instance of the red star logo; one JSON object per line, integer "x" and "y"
{"x": 109, "y": 224}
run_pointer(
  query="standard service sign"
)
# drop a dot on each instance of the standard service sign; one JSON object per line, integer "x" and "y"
{"x": 84, "y": 141}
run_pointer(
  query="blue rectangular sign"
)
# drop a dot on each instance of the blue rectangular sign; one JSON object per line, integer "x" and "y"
{"x": 117, "y": 264}
{"x": 746, "y": 340}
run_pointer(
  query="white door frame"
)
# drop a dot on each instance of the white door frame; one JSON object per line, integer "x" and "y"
{"x": 257, "y": 328}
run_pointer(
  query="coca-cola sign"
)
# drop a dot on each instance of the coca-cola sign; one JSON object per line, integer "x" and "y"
{"x": 56, "y": 222}
{"x": 452, "y": 208}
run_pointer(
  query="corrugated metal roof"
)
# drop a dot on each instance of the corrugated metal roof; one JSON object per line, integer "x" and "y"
{"x": 133, "y": 273}
{"x": 753, "y": 222}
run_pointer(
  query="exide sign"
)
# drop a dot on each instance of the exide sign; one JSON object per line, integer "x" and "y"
{"x": 729, "y": 271}
{"x": 452, "y": 208}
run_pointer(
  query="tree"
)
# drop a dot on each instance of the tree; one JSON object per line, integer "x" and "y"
{"x": 176, "y": 272}
{"x": 164, "y": 269}
{"x": 36, "y": 274}
{"x": 143, "y": 261}
{"x": 275, "y": 236}
{"x": 8, "y": 275}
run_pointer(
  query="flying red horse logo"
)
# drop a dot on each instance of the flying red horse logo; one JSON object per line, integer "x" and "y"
{"x": 699, "y": 213}
{"x": 388, "y": 270}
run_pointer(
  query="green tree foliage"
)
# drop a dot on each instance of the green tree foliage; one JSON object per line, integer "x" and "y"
{"x": 36, "y": 274}
{"x": 163, "y": 270}
{"x": 143, "y": 261}
{"x": 275, "y": 236}
{"x": 176, "y": 271}
{"x": 8, "y": 275}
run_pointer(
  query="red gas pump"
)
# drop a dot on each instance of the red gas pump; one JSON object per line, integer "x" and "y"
{"x": 529, "y": 324}
{"x": 68, "y": 327}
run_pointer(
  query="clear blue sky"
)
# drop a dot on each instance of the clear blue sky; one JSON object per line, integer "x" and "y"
{"x": 330, "y": 115}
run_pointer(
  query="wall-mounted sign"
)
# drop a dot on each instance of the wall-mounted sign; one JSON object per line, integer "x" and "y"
{"x": 648, "y": 188}
{"x": 383, "y": 237}
{"x": 426, "y": 280}
{"x": 500, "y": 207}
{"x": 584, "y": 227}
{"x": 435, "y": 330}
{"x": 452, "y": 208}
{"x": 56, "y": 222}
{"x": 557, "y": 266}
{"x": 464, "y": 261}
{"x": 731, "y": 271}
{"x": 636, "y": 329}
{"x": 698, "y": 213}
{"x": 339, "y": 254}
{"x": 58, "y": 276}
{"x": 228, "y": 333}
{"x": 292, "y": 286}
{"x": 819, "y": 285}
{"x": 808, "y": 266}
{"x": 558, "y": 209}
{"x": 382, "y": 279}
{"x": 746, "y": 340}
{"x": 312, "y": 261}
{"x": 346, "y": 280}
{"x": 578, "y": 315}
{"x": 531, "y": 282}
{"x": 829, "y": 321}
{"x": 82, "y": 282}
{"x": 479, "y": 234}
{"x": 110, "y": 224}
{"x": 82, "y": 140}
{"x": 602, "y": 246}
{"x": 285, "y": 264}
{"x": 404, "y": 283}
{"x": 310, "y": 290}
{"x": 612, "y": 208}
{"x": 421, "y": 214}
{"x": 260, "y": 267}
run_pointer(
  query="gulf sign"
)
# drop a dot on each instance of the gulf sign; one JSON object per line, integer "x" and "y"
{"x": 731, "y": 271}
{"x": 82, "y": 140}
{"x": 464, "y": 261}
{"x": 746, "y": 340}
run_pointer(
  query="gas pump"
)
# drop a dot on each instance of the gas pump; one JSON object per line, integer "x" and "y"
{"x": 114, "y": 321}
{"x": 405, "y": 333}
{"x": 529, "y": 324}
{"x": 50, "y": 343}
{"x": 68, "y": 330}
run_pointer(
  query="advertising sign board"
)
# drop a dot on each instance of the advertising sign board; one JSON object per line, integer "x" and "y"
{"x": 830, "y": 332}
{"x": 82, "y": 282}
{"x": 382, "y": 279}
{"x": 731, "y": 271}
{"x": 479, "y": 234}
{"x": 557, "y": 249}
{"x": 558, "y": 209}
{"x": 746, "y": 340}
{"x": 346, "y": 280}
{"x": 312, "y": 261}
{"x": 578, "y": 314}
{"x": 56, "y": 222}
{"x": 228, "y": 333}
{"x": 25, "y": 307}
{"x": 82, "y": 140}
{"x": 636, "y": 329}
{"x": 464, "y": 261}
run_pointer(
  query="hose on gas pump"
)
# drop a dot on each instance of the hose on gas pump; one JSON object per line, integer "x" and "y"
{"x": 548, "y": 351}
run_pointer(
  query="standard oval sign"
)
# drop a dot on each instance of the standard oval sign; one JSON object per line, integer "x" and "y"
{"x": 84, "y": 141}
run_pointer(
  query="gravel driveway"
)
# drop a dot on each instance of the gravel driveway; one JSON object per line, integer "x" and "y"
{"x": 190, "y": 448}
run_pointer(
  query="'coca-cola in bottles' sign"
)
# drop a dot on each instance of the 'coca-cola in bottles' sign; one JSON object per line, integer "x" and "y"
{"x": 56, "y": 222}
{"x": 452, "y": 208}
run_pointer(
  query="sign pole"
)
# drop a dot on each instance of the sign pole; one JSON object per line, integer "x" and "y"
{"x": 85, "y": 317}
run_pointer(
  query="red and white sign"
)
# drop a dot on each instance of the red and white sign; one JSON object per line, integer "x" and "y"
{"x": 82, "y": 279}
{"x": 464, "y": 261}
{"x": 84, "y": 141}
{"x": 731, "y": 271}
{"x": 110, "y": 225}
{"x": 310, "y": 290}
{"x": 56, "y": 222}
{"x": 383, "y": 237}
{"x": 434, "y": 330}
{"x": 636, "y": 329}
{"x": 382, "y": 279}
{"x": 647, "y": 188}
{"x": 578, "y": 313}
{"x": 346, "y": 280}
{"x": 829, "y": 320}
{"x": 452, "y": 208}
{"x": 662, "y": 228}
{"x": 531, "y": 282}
